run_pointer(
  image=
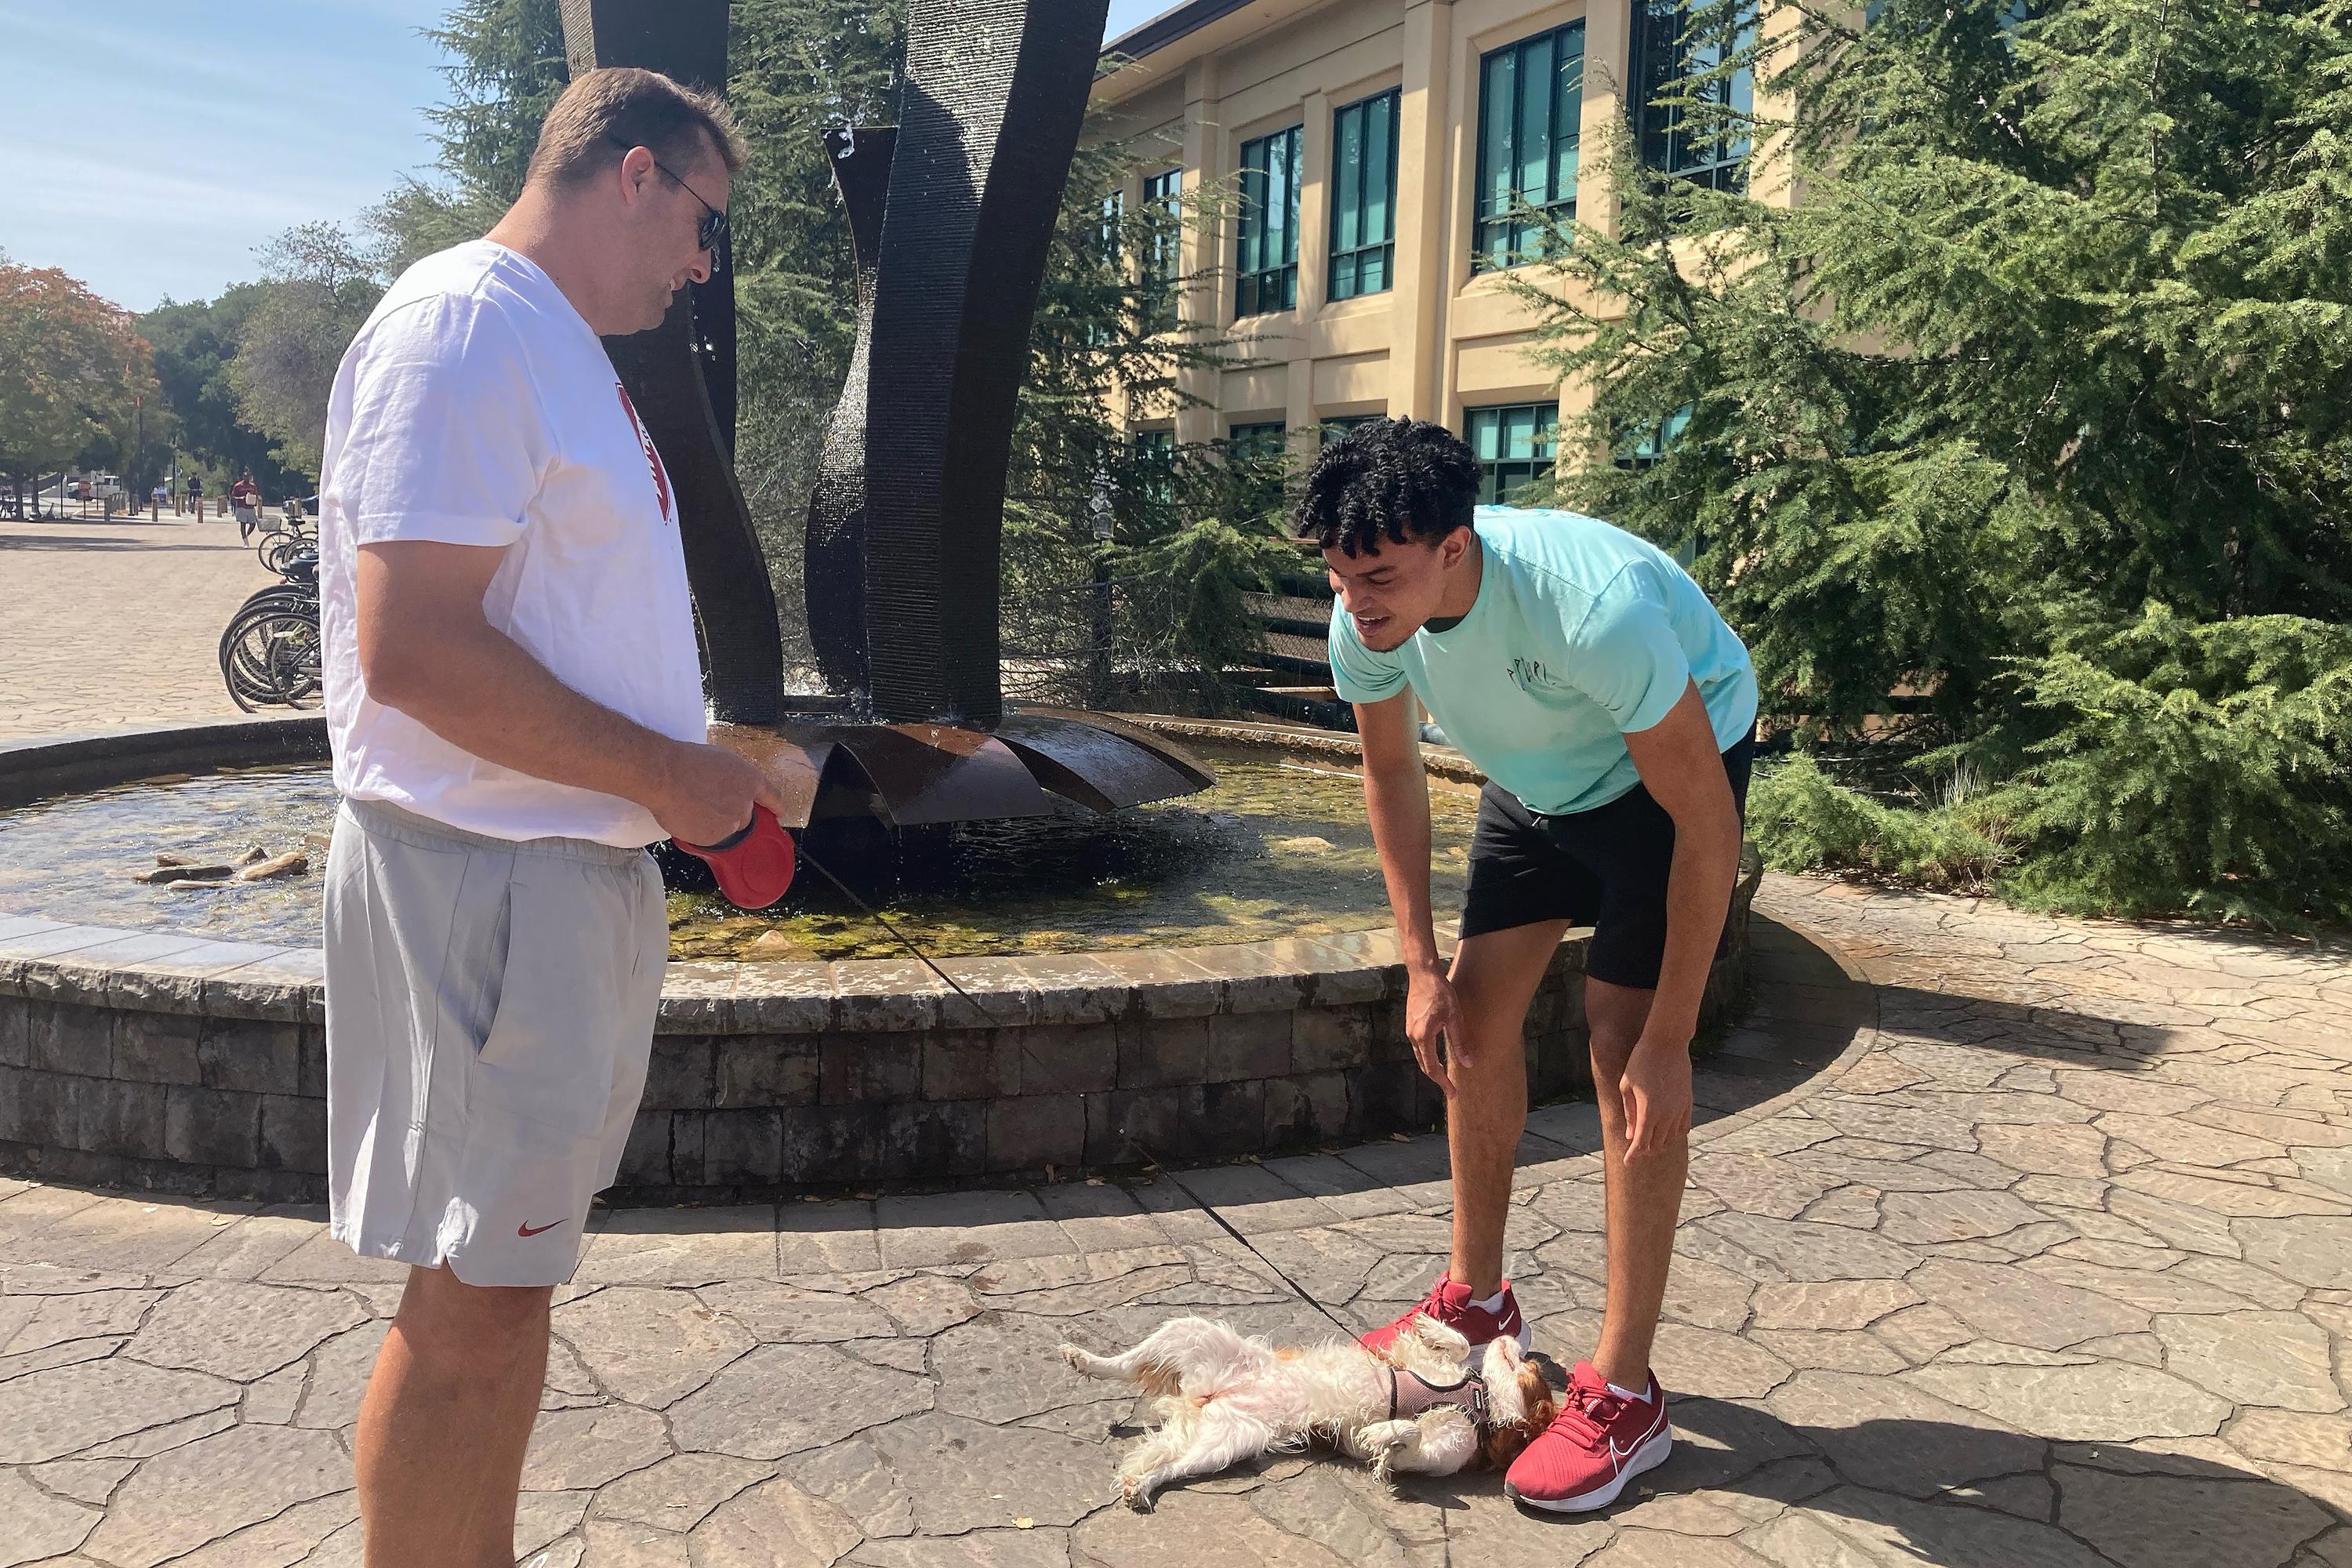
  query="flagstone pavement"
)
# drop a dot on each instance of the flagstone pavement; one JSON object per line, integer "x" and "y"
{"x": 2013, "y": 1243}
{"x": 116, "y": 621}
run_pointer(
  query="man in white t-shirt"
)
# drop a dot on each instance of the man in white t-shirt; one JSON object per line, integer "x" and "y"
{"x": 516, "y": 709}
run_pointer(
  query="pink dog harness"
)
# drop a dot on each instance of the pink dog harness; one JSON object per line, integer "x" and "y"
{"x": 1409, "y": 1394}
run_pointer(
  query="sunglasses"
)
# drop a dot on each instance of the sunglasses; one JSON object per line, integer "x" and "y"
{"x": 711, "y": 232}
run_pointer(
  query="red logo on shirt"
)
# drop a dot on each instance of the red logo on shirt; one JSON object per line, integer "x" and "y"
{"x": 653, "y": 458}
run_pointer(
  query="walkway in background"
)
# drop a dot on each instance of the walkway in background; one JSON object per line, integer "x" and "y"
{"x": 106, "y": 623}
{"x": 2049, "y": 1266}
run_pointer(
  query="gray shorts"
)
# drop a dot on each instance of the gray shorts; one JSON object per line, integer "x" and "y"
{"x": 489, "y": 1013}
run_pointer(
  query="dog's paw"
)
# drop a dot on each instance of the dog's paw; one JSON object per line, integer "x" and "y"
{"x": 1135, "y": 1494}
{"x": 1073, "y": 1355}
{"x": 1383, "y": 1441}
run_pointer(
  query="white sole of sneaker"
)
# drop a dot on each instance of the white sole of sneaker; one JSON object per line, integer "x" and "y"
{"x": 1648, "y": 1456}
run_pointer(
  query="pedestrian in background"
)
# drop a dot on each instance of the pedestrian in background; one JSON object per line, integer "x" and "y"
{"x": 245, "y": 500}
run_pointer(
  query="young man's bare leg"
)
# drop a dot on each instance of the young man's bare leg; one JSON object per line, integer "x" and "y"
{"x": 446, "y": 1417}
{"x": 1645, "y": 1193}
{"x": 1495, "y": 977}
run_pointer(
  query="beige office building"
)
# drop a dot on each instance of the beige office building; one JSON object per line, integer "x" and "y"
{"x": 1374, "y": 145}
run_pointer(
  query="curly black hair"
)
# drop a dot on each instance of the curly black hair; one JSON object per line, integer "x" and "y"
{"x": 1393, "y": 479}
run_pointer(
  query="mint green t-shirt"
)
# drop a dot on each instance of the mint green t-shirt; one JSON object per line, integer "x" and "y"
{"x": 1582, "y": 634}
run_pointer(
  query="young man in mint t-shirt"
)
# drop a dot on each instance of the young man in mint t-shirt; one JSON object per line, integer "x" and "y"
{"x": 1612, "y": 712}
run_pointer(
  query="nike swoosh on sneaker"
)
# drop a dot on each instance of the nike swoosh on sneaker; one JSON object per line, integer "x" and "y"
{"x": 531, "y": 1230}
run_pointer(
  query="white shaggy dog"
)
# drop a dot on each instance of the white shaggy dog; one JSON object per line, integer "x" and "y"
{"x": 1225, "y": 1396}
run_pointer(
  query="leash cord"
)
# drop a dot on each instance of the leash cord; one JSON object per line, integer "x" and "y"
{"x": 1161, "y": 1166}
{"x": 875, "y": 915}
{"x": 1227, "y": 1226}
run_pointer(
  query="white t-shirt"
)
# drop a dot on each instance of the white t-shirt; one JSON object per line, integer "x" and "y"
{"x": 476, "y": 407}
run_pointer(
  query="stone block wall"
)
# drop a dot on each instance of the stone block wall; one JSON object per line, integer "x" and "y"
{"x": 175, "y": 1063}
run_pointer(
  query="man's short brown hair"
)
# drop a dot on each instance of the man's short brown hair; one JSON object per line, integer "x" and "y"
{"x": 605, "y": 113}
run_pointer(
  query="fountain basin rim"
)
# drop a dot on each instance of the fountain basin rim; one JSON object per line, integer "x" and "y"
{"x": 169, "y": 1061}
{"x": 163, "y": 970}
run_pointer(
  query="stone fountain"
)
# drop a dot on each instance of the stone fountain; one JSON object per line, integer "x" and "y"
{"x": 164, "y": 1058}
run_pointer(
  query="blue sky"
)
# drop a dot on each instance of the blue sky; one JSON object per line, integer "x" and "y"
{"x": 153, "y": 144}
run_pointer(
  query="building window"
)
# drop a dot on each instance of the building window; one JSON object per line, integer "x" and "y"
{"x": 1339, "y": 425}
{"x": 1699, "y": 148}
{"x": 1257, "y": 443}
{"x": 1155, "y": 461}
{"x": 1643, "y": 451}
{"x": 1363, "y": 196}
{"x": 1163, "y": 253}
{"x": 1267, "y": 269}
{"x": 1114, "y": 219}
{"x": 1107, "y": 246}
{"x": 1514, "y": 444}
{"x": 1162, "y": 193}
{"x": 1530, "y": 98}
{"x": 1261, "y": 449}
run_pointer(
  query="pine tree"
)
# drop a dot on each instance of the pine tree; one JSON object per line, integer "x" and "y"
{"x": 1126, "y": 565}
{"x": 2020, "y": 443}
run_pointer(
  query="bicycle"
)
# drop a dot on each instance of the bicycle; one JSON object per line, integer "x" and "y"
{"x": 270, "y": 654}
{"x": 270, "y": 657}
{"x": 290, "y": 537}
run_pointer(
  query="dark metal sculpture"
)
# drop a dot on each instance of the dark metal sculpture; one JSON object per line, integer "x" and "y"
{"x": 833, "y": 566}
{"x": 951, "y": 214}
{"x": 670, "y": 372}
{"x": 994, "y": 95}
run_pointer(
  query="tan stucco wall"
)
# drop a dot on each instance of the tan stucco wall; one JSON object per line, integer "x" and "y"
{"x": 1441, "y": 340}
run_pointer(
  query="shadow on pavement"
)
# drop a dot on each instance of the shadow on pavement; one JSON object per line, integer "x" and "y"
{"x": 1941, "y": 1495}
{"x": 116, "y": 546}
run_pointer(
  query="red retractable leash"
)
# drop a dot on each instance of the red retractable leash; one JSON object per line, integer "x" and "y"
{"x": 754, "y": 864}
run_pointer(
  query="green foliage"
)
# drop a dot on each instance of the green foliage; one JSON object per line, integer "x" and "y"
{"x": 2024, "y": 435}
{"x": 1123, "y": 568}
{"x": 505, "y": 69}
{"x": 1802, "y": 820}
{"x": 318, "y": 290}
{"x": 2200, "y": 765}
{"x": 72, "y": 368}
{"x": 195, "y": 343}
{"x": 1195, "y": 582}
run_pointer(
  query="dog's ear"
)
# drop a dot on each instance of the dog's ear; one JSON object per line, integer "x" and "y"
{"x": 1542, "y": 1404}
{"x": 1505, "y": 1444}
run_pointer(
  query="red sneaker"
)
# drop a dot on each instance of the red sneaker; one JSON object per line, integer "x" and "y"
{"x": 1596, "y": 1443}
{"x": 1451, "y": 1304}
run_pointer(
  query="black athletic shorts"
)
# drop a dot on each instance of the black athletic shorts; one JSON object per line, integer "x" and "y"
{"x": 1606, "y": 869}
